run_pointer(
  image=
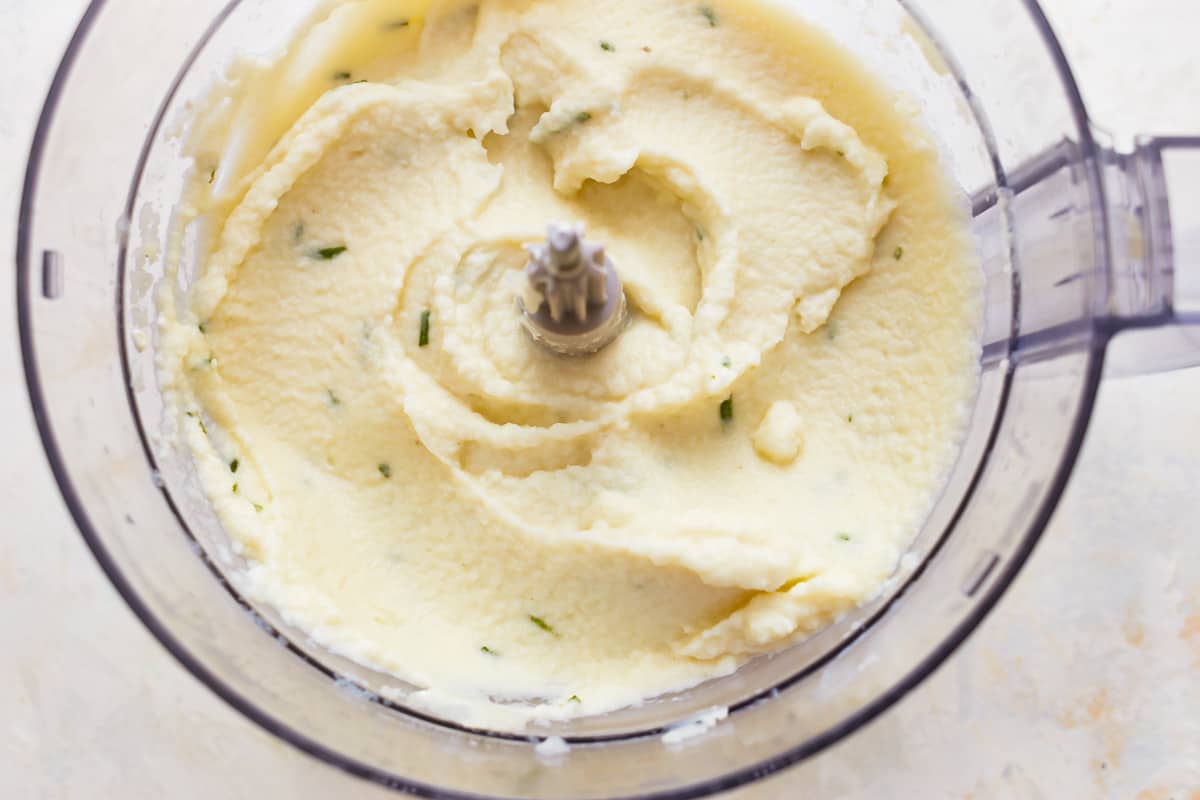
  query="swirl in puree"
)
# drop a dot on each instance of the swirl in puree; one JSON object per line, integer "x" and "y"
{"x": 424, "y": 489}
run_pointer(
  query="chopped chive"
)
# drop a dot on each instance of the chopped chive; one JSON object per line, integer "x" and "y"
{"x": 328, "y": 253}
{"x": 710, "y": 15}
{"x": 334, "y": 400}
{"x": 727, "y": 409}
{"x": 726, "y": 362}
{"x": 200, "y": 421}
{"x": 341, "y": 75}
{"x": 574, "y": 699}
{"x": 541, "y": 623}
{"x": 360, "y": 80}
{"x": 579, "y": 118}
{"x": 488, "y": 650}
{"x": 235, "y": 488}
{"x": 212, "y": 174}
{"x": 607, "y": 46}
{"x": 699, "y": 234}
{"x": 385, "y": 470}
{"x": 233, "y": 465}
{"x": 850, "y": 418}
{"x": 843, "y": 537}
{"x": 898, "y": 253}
{"x": 396, "y": 25}
{"x": 258, "y": 507}
{"x": 203, "y": 328}
{"x": 423, "y": 334}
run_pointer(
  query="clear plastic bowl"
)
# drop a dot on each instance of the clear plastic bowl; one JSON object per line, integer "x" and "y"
{"x": 1077, "y": 245}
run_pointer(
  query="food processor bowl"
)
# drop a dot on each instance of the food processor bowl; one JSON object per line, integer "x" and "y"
{"x": 1077, "y": 244}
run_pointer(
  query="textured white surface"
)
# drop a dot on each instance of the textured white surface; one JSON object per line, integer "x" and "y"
{"x": 1085, "y": 682}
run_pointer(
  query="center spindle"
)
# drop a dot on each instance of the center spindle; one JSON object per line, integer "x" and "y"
{"x": 573, "y": 302}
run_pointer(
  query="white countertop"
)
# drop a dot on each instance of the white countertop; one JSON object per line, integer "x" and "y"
{"x": 1085, "y": 682}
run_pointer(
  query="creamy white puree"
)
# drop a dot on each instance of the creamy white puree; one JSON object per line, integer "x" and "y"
{"x": 491, "y": 522}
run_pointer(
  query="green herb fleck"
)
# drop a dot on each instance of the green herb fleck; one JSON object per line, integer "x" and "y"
{"x": 841, "y": 153}
{"x": 258, "y": 507}
{"x": 583, "y": 116}
{"x": 235, "y": 488}
{"x": 212, "y": 174}
{"x": 328, "y": 253}
{"x": 843, "y": 537}
{"x": 203, "y": 427}
{"x": 541, "y": 623}
{"x": 727, "y": 409}
{"x": 850, "y": 418}
{"x": 574, "y": 699}
{"x": 423, "y": 335}
{"x": 360, "y": 80}
{"x": 396, "y": 25}
{"x": 607, "y": 47}
{"x": 341, "y": 75}
{"x": 898, "y": 253}
{"x": 385, "y": 470}
{"x": 726, "y": 362}
{"x": 203, "y": 328}
{"x": 489, "y": 651}
{"x": 699, "y": 234}
{"x": 710, "y": 15}
{"x": 334, "y": 400}
{"x": 233, "y": 465}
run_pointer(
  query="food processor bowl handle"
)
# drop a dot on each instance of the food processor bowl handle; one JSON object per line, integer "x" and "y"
{"x": 1153, "y": 199}
{"x": 1099, "y": 241}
